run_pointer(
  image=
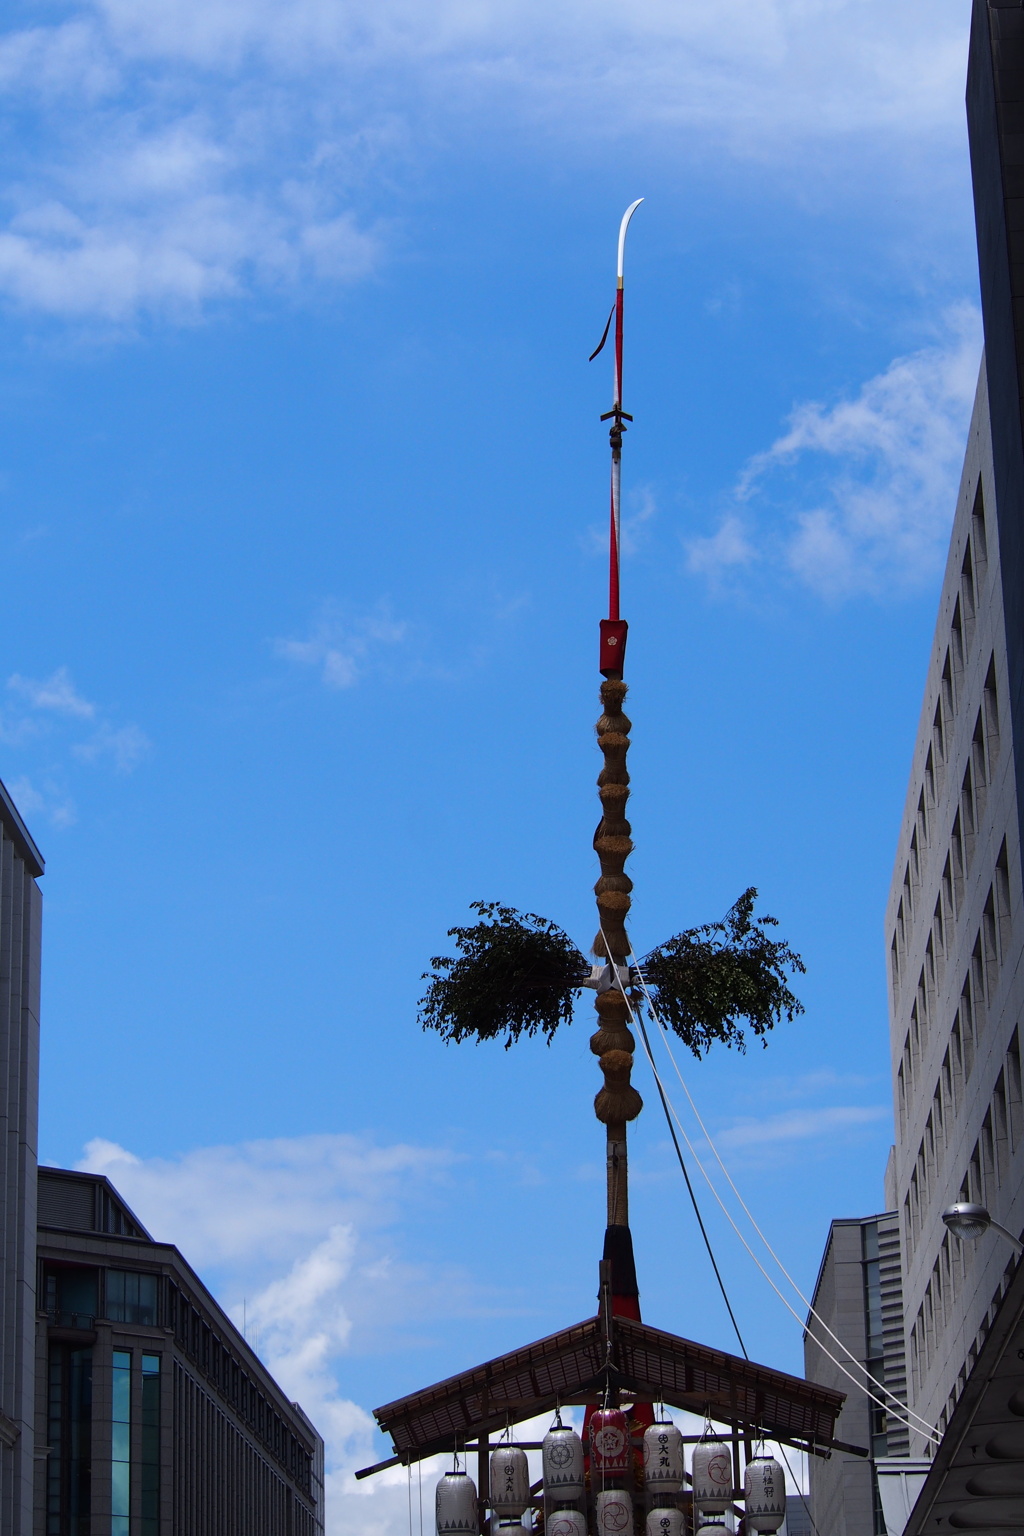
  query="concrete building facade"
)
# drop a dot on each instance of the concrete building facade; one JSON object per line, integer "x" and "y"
{"x": 157, "y": 1417}
{"x": 858, "y": 1298}
{"x": 20, "y": 926}
{"x": 954, "y": 922}
{"x": 955, "y": 940}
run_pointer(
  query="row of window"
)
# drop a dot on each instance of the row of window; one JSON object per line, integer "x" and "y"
{"x": 972, "y": 1354}
{"x": 920, "y": 1347}
{"x": 222, "y": 1485}
{"x": 978, "y": 774}
{"x": 216, "y": 1360}
{"x": 979, "y": 986}
{"x": 972, "y": 573}
{"x": 73, "y": 1296}
{"x": 1001, "y": 1134}
{"x": 926, "y": 1176}
{"x": 883, "y": 1311}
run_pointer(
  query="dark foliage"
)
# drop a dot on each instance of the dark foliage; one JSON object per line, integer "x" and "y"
{"x": 517, "y": 973}
{"x": 704, "y": 981}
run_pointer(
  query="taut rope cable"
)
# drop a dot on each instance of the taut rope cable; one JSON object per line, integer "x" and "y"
{"x": 924, "y": 1427}
{"x": 861, "y": 1387}
{"x": 796, "y": 1484}
{"x": 693, "y": 1201}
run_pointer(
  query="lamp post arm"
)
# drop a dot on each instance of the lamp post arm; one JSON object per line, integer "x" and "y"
{"x": 998, "y": 1227}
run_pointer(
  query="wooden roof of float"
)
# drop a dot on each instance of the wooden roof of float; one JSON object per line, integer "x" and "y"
{"x": 634, "y": 1360}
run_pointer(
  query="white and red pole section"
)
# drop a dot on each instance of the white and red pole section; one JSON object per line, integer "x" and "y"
{"x": 613, "y": 629}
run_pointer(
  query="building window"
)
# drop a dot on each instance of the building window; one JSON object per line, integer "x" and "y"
{"x": 121, "y": 1445}
{"x": 131, "y": 1297}
{"x": 150, "y": 1458}
{"x": 69, "y": 1437}
{"x": 70, "y": 1296}
{"x": 948, "y": 693}
{"x": 957, "y": 638}
{"x": 979, "y": 534}
{"x": 939, "y": 731}
{"x": 112, "y": 1218}
{"x": 1015, "y": 1108}
{"x": 967, "y": 588}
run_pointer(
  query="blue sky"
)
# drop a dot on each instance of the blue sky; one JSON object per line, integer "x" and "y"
{"x": 304, "y": 490}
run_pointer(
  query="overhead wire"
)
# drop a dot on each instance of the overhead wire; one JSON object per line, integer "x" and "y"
{"x": 924, "y": 1427}
{"x": 879, "y": 1402}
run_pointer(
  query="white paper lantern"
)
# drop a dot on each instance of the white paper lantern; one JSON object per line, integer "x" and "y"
{"x": 562, "y": 1461}
{"x": 712, "y": 1528}
{"x": 455, "y": 1505}
{"x": 663, "y": 1459}
{"x": 510, "y": 1481}
{"x": 666, "y": 1522}
{"x": 711, "y": 1472}
{"x": 764, "y": 1491}
{"x": 613, "y": 1510}
{"x": 566, "y": 1522}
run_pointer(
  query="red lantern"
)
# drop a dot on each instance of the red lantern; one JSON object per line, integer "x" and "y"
{"x": 609, "y": 1442}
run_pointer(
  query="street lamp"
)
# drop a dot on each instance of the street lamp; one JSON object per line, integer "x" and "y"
{"x": 968, "y": 1222}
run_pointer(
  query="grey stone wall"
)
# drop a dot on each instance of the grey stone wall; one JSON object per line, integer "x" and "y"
{"x": 843, "y": 1494}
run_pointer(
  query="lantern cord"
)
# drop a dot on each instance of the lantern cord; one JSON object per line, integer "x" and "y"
{"x": 921, "y": 1427}
{"x": 861, "y": 1387}
{"x": 408, "y": 1468}
{"x": 419, "y": 1478}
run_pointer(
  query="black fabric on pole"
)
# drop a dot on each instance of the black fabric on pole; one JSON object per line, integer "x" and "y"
{"x": 604, "y": 338}
{"x": 618, "y": 1251}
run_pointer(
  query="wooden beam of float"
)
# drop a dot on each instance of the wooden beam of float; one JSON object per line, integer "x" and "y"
{"x": 574, "y": 1367}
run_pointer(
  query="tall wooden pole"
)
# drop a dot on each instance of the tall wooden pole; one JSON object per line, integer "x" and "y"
{"x": 618, "y": 1101}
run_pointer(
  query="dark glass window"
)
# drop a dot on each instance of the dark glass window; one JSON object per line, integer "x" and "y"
{"x": 131, "y": 1297}
{"x": 121, "y": 1445}
{"x": 70, "y": 1296}
{"x": 150, "y": 1460}
{"x": 69, "y": 1437}
{"x": 113, "y": 1219}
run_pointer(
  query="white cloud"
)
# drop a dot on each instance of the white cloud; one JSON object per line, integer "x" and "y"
{"x": 292, "y": 1234}
{"x": 183, "y": 151}
{"x": 125, "y": 746}
{"x": 722, "y": 551}
{"x": 880, "y": 471}
{"x": 47, "y": 711}
{"x": 56, "y": 693}
{"x": 800, "y": 1125}
{"x": 340, "y": 648}
{"x": 50, "y": 801}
